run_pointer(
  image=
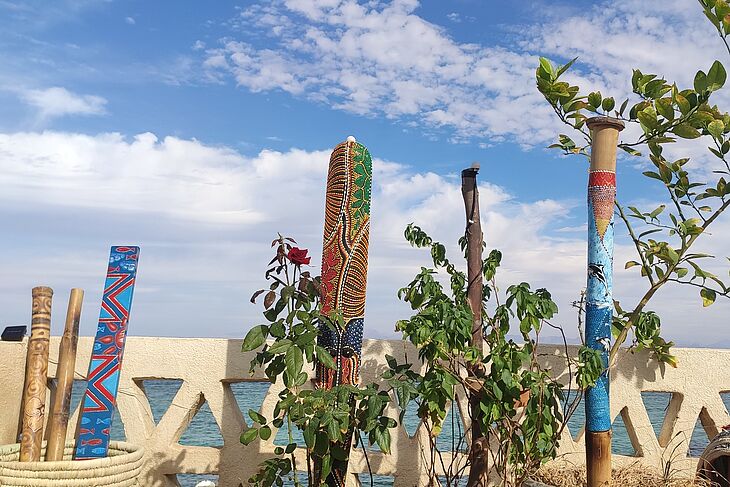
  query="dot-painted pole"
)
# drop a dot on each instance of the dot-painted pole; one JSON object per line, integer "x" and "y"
{"x": 599, "y": 293}
{"x": 344, "y": 274}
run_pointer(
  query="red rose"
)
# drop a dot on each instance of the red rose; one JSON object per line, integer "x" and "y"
{"x": 298, "y": 256}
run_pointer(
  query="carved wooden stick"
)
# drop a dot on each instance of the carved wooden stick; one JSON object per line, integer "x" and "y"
{"x": 36, "y": 368}
{"x": 58, "y": 421}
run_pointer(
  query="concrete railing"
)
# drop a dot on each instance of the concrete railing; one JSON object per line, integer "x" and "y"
{"x": 208, "y": 367}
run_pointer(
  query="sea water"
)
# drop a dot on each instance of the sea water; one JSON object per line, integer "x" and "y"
{"x": 204, "y": 431}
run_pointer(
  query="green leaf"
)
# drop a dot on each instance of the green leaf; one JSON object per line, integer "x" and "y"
{"x": 683, "y": 104}
{"x": 294, "y": 362}
{"x": 665, "y": 109}
{"x": 265, "y": 433}
{"x": 608, "y": 104}
{"x": 309, "y": 435}
{"x": 716, "y": 128}
{"x": 631, "y": 264}
{"x": 565, "y": 67}
{"x": 657, "y": 211}
{"x": 280, "y": 346}
{"x": 325, "y": 358}
{"x": 623, "y": 107}
{"x": 700, "y": 83}
{"x": 256, "y": 417}
{"x": 686, "y": 131}
{"x": 708, "y": 296}
{"x": 382, "y": 438}
{"x": 716, "y": 76}
{"x": 647, "y": 117}
{"x": 547, "y": 68}
{"x": 255, "y": 337}
{"x": 594, "y": 99}
{"x": 249, "y": 435}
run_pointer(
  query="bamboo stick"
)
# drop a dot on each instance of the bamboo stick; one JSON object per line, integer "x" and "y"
{"x": 61, "y": 409}
{"x": 36, "y": 368}
{"x": 599, "y": 292}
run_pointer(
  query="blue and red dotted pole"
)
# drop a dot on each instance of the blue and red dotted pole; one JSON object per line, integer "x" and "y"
{"x": 599, "y": 292}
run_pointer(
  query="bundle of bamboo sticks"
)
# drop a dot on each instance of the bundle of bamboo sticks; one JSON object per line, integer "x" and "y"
{"x": 36, "y": 377}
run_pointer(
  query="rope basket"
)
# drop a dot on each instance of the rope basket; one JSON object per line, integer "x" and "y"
{"x": 714, "y": 464}
{"x": 120, "y": 468}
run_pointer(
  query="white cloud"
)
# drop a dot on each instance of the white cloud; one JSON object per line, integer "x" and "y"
{"x": 203, "y": 215}
{"x": 57, "y": 102}
{"x": 130, "y": 20}
{"x": 382, "y": 59}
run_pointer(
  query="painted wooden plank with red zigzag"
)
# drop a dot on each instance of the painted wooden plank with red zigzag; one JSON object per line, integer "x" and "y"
{"x": 106, "y": 358}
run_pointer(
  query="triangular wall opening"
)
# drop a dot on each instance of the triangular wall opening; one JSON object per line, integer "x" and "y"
{"x": 160, "y": 394}
{"x": 249, "y": 395}
{"x": 621, "y": 443}
{"x": 657, "y": 408}
{"x": 203, "y": 429}
{"x": 576, "y": 420}
{"x": 699, "y": 439}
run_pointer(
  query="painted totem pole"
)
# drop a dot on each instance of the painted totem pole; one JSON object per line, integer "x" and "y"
{"x": 599, "y": 293}
{"x": 344, "y": 270}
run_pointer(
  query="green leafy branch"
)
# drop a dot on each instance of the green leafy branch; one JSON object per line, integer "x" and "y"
{"x": 664, "y": 113}
{"x": 285, "y": 348}
{"x": 519, "y": 401}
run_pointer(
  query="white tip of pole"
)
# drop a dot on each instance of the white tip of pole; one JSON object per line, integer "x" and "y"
{"x": 350, "y": 138}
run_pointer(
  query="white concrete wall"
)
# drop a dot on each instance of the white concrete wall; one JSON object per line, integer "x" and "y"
{"x": 208, "y": 366}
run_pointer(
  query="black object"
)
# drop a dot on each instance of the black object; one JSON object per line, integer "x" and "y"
{"x": 14, "y": 333}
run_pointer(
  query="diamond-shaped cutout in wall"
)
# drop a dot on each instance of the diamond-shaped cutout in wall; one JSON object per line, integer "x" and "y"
{"x": 203, "y": 429}
{"x": 160, "y": 394}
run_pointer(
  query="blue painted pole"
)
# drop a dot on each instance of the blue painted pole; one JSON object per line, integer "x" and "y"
{"x": 599, "y": 292}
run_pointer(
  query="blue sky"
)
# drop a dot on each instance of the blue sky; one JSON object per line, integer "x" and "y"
{"x": 198, "y": 130}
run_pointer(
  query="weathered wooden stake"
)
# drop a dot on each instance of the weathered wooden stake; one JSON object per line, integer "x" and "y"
{"x": 61, "y": 409}
{"x": 36, "y": 369}
{"x": 479, "y": 450}
{"x": 599, "y": 292}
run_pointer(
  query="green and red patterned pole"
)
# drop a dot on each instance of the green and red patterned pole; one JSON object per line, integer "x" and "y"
{"x": 344, "y": 273}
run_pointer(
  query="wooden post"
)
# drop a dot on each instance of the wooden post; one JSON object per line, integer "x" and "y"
{"x": 36, "y": 369}
{"x": 479, "y": 449}
{"x": 599, "y": 292}
{"x": 58, "y": 421}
